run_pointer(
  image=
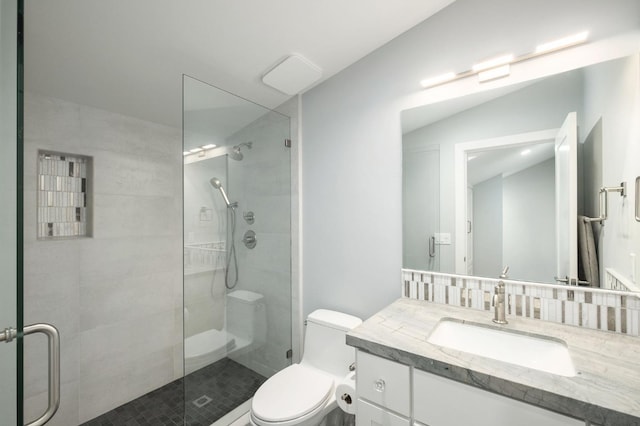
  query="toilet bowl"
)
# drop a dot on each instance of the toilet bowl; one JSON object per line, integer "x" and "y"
{"x": 303, "y": 394}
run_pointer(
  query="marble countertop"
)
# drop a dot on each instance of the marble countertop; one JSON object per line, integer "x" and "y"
{"x": 606, "y": 390}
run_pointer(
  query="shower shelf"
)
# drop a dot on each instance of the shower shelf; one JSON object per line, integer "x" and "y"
{"x": 204, "y": 257}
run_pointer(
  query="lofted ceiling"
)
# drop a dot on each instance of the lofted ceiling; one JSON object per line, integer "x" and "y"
{"x": 128, "y": 56}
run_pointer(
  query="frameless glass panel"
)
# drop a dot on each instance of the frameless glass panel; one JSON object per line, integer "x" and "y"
{"x": 10, "y": 399}
{"x": 237, "y": 250}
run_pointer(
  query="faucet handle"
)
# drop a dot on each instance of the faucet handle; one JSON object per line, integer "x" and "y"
{"x": 503, "y": 275}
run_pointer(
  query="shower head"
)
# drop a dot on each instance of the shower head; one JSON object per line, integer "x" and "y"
{"x": 215, "y": 182}
{"x": 236, "y": 153}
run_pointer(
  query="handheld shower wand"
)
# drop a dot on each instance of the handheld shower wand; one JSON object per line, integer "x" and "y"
{"x": 231, "y": 254}
{"x": 215, "y": 182}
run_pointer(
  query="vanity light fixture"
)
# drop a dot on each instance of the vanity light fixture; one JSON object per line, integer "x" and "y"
{"x": 194, "y": 150}
{"x": 186, "y": 153}
{"x": 562, "y": 43}
{"x": 209, "y": 146}
{"x": 500, "y": 66}
{"x": 492, "y": 63}
{"x": 439, "y": 79}
{"x": 493, "y": 73}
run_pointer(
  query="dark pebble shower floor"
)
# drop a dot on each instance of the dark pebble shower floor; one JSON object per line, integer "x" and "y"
{"x": 198, "y": 399}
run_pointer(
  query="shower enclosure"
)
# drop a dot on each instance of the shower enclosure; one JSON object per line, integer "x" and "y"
{"x": 237, "y": 250}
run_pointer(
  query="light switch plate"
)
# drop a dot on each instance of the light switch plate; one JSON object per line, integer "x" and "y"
{"x": 443, "y": 238}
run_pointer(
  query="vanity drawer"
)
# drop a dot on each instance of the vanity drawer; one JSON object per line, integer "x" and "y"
{"x": 371, "y": 415}
{"x": 383, "y": 382}
{"x": 443, "y": 402}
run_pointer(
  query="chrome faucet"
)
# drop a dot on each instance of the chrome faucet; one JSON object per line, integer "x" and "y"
{"x": 498, "y": 300}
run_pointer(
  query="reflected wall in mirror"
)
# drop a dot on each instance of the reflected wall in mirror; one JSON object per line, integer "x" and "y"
{"x": 489, "y": 182}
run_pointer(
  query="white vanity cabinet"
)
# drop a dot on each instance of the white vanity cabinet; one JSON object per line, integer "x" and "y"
{"x": 394, "y": 394}
{"x": 384, "y": 391}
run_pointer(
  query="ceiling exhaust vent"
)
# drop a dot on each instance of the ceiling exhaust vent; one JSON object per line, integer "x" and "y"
{"x": 292, "y": 75}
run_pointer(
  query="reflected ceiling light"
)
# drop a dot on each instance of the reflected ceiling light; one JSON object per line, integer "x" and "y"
{"x": 186, "y": 153}
{"x": 525, "y": 152}
{"x": 439, "y": 79}
{"x": 194, "y": 150}
{"x": 492, "y": 63}
{"x": 561, "y": 43}
{"x": 209, "y": 146}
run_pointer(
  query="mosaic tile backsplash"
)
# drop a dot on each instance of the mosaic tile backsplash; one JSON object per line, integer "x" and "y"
{"x": 580, "y": 306}
{"x": 62, "y": 195}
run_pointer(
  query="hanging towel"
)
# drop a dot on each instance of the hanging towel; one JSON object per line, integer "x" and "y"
{"x": 587, "y": 256}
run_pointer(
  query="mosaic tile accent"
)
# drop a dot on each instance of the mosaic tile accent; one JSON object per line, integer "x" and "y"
{"x": 598, "y": 309}
{"x": 198, "y": 399}
{"x": 62, "y": 195}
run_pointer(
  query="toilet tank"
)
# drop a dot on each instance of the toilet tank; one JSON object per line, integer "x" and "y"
{"x": 246, "y": 315}
{"x": 324, "y": 343}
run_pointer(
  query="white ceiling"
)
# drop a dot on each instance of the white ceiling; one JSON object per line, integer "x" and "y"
{"x": 128, "y": 56}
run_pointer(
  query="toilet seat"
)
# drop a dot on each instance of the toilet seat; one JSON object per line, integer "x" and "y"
{"x": 292, "y": 393}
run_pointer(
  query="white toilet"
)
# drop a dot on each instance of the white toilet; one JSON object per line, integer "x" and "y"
{"x": 302, "y": 394}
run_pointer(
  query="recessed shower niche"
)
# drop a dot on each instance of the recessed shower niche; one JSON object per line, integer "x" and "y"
{"x": 64, "y": 195}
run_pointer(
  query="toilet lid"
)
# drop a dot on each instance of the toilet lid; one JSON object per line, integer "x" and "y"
{"x": 291, "y": 393}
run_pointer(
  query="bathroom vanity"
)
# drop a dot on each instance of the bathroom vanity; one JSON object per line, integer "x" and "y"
{"x": 404, "y": 379}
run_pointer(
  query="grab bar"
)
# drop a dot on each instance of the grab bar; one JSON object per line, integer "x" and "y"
{"x": 603, "y": 205}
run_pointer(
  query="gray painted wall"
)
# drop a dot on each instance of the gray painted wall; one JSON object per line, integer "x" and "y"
{"x": 529, "y": 225}
{"x": 612, "y": 108}
{"x": 351, "y": 158}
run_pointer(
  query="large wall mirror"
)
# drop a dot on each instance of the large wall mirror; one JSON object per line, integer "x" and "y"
{"x": 511, "y": 176}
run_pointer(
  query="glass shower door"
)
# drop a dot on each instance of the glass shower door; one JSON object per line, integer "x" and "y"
{"x": 10, "y": 397}
{"x": 237, "y": 251}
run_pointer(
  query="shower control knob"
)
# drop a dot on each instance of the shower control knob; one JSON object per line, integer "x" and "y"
{"x": 249, "y": 239}
{"x": 249, "y": 217}
{"x": 379, "y": 385}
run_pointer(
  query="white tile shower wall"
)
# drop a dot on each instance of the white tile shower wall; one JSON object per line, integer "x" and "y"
{"x": 205, "y": 220}
{"x": 583, "y": 307}
{"x": 117, "y": 297}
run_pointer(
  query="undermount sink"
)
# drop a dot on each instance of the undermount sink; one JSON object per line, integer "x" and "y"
{"x": 524, "y": 349}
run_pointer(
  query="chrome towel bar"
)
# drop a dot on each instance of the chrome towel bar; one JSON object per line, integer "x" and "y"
{"x": 604, "y": 203}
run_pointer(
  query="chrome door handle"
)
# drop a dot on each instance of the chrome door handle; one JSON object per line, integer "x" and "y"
{"x": 432, "y": 247}
{"x": 53, "y": 338}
